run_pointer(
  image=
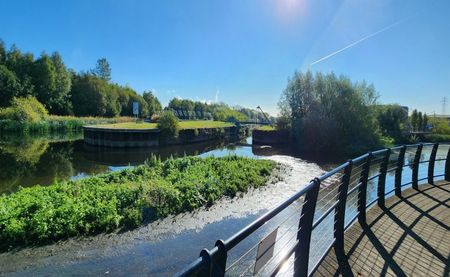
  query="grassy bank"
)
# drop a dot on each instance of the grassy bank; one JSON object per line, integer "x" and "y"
{"x": 57, "y": 123}
{"x": 189, "y": 124}
{"x": 124, "y": 199}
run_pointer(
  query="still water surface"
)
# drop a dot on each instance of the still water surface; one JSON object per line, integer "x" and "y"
{"x": 27, "y": 161}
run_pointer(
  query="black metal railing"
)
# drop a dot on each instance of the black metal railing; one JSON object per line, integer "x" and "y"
{"x": 298, "y": 233}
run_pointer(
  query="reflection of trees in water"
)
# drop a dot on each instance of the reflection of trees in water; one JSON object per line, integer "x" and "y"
{"x": 134, "y": 156}
{"x": 33, "y": 162}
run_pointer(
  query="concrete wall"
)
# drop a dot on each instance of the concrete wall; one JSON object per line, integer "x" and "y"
{"x": 150, "y": 137}
{"x": 270, "y": 137}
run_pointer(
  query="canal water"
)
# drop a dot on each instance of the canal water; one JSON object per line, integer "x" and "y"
{"x": 30, "y": 160}
{"x": 165, "y": 246}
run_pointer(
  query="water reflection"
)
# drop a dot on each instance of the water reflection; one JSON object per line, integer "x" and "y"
{"x": 31, "y": 160}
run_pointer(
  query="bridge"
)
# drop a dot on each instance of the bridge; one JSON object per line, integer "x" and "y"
{"x": 384, "y": 213}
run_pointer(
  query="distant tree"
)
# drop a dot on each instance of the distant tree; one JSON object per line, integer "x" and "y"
{"x": 2, "y": 52}
{"x": 425, "y": 122}
{"x": 152, "y": 101}
{"x": 419, "y": 121}
{"x": 103, "y": 69}
{"x": 330, "y": 114}
{"x": 414, "y": 120}
{"x": 44, "y": 81}
{"x": 61, "y": 103}
{"x": 89, "y": 95}
{"x": 126, "y": 97}
{"x": 9, "y": 86}
{"x": 392, "y": 120}
{"x": 22, "y": 65}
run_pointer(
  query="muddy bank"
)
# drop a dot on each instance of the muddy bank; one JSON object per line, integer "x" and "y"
{"x": 164, "y": 246}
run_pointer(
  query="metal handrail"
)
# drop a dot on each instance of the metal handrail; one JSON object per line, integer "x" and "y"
{"x": 213, "y": 262}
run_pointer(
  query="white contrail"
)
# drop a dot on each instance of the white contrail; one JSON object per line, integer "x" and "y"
{"x": 357, "y": 42}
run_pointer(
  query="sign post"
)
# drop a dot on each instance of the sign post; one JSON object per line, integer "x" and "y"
{"x": 136, "y": 109}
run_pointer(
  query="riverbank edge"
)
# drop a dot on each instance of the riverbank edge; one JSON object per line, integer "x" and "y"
{"x": 129, "y": 218}
{"x": 125, "y": 138}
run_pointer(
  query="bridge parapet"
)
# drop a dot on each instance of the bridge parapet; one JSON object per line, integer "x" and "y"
{"x": 296, "y": 235}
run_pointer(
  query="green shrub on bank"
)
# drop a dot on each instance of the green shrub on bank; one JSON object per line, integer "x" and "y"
{"x": 436, "y": 138}
{"x": 168, "y": 125}
{"x": 126, "y": 198}
{"x": 27, "y": 109}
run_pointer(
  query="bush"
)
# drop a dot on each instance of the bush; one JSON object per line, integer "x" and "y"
{"x": 168, "y": 126}
{"x": 27, "y": 109}
{"x": 103, "y": 203}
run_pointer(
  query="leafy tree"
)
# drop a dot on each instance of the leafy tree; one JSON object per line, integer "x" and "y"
{"x": 414, "y": 120}
{"x": 329, "y": 113}
{"x": 22, "y": 66}
{"x": 419, "y": 121}
{"x": 89, "y": 95}
{"x": 152, "y": 101}
{"x": 103, "y": 69}
{"x": 2, "y": 52}
{"x": 61, "y": 96}
{"x": 44, "y": 80}
{"x": 392, "y": 120}
{"x": 9, "y": 86}
{"x": 425, "y": 122}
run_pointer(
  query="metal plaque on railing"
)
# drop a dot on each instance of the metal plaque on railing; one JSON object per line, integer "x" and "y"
{"x": 265, "y": 250}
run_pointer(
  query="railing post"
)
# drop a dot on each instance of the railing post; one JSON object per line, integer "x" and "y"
{"x": 305, "y": 230}
{"x": 207, "y": 271}
{"x": 362, "y": 193}
{"x": 220, "y": 262}
{"x": 339, "y": 220}
{"x": 431, "y": 163}
{"x": 415, "y": 170}
{"x": 447, "y": 166}
{"x": 398, "y": 171}
{"x": 382, "y": 178}
{"x": 216, "y": 264}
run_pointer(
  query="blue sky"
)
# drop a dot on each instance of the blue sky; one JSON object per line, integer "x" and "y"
{"x": 242, "y": 52}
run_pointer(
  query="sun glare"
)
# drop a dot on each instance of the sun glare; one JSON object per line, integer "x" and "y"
{"x": 290, "y": 10}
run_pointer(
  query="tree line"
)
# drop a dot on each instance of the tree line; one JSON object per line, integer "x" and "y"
{"x": 63, "y": 91}
{"x": 329, "y": 113}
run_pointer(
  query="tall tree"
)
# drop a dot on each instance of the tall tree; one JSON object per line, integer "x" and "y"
{"x": 9, "y": 86}
{"x": 89, "y": 95}
{"x": 414, "y": 119}
{"x": 419, "y": 121}
{"x": 44, "y": 80}
{"x": 103, "y": 69}
{"x": 152, "y": 102}
{"x": 2, "y": 52}
{"x": 61, "y": 96}
{"x": 425, "y": 122}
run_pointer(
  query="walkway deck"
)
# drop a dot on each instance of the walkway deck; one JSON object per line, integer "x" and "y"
{"x": 410, "y": 237}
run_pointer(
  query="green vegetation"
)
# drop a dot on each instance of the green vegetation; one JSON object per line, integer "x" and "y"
{"x": 327, "y": 113}
{"x": 189, "y": 124}
{"x": 168, "y": 125}
{"x": 65, "y": 92}
{"x": 393, "y": 121}
{"x": 188, "y": 109}
{"x": 56, "y": 123}
{"x": 124, "y": 199}
{"x": 24, "y": 110}
{"x": 267, "y": 128}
